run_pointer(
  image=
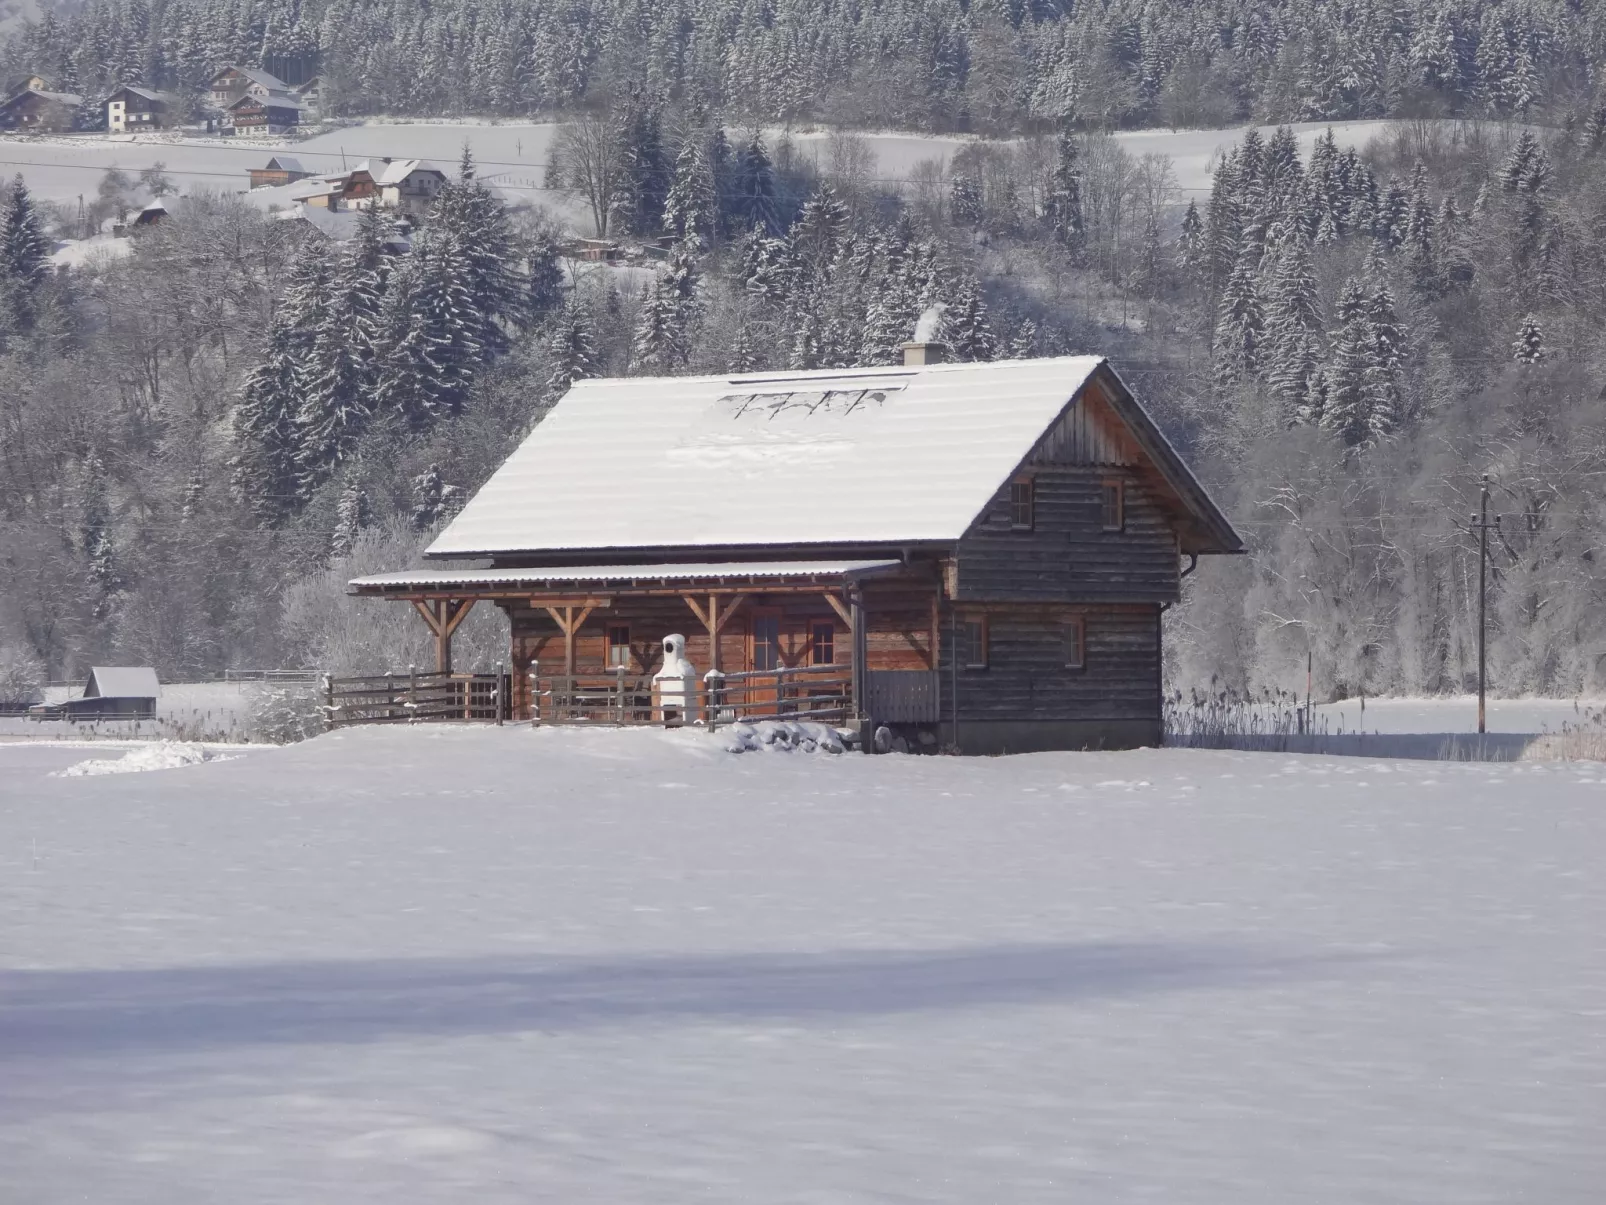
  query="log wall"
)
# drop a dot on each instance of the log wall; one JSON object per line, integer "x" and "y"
{"x": 1067, "y": 555}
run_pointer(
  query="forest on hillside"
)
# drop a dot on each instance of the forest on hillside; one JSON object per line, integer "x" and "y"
{"x": 200, "y": 442}
{"x": 988, "y": 66}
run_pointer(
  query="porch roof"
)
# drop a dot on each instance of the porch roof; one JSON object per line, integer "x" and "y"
{"x": 511, "y": 581}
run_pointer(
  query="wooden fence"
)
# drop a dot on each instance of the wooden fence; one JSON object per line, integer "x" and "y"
{"x": 414, "y": 698}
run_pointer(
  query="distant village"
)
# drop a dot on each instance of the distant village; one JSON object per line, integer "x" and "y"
{"x": 242, "y": 101}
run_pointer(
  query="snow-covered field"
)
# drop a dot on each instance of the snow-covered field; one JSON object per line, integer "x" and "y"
{"x": 500, "y": 965}
{"x": 512, "y": 155}
{"x": 1457, "y": 714}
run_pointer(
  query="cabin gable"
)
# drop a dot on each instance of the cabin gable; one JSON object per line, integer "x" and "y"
{"x": 1085, "y": 516}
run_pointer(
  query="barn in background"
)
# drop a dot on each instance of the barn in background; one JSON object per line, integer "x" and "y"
{"x": 987, "y": 547}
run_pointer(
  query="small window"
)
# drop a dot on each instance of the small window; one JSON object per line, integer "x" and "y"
{"x": 1075, "y": 636}
{"x": 822, "y": 643}
{"x": 618, "y": 645}
{"x": 1022, "y": 505}
{"x": 1114, "y": 506}
{"x": 976, "y": 642}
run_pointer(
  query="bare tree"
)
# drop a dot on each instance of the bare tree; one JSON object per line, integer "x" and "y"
{"x": 586, "y": 159}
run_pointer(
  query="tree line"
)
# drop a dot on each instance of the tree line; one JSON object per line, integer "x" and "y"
{"x": 197, "y": 441}
{"x": 984, "y": 65}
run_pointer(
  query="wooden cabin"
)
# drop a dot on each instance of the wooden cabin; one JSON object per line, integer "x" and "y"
{"x": 988, "y": 546}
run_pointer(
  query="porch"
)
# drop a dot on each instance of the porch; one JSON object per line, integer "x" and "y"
{"x": 837, "y": 642}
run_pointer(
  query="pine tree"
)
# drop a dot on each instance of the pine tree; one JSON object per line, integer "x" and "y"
{"x": 753, "y": 189}
{"x": 470, "y": 240}
{"x": 1023, "y": 346}
{"x": 969, "y": 335}
{"x": 572, "y": 349}
{"x": 964, "y": 201}
{"x": 1529, "y": 347}
{"x": 1346, "y": 403}
{"x": 817, "y": 234}
{"x": 692, "y": 209}
{"x": 1294, "y": 328}
{"x": 662, "y": 343}
{"x": 1191, "y": 251}
{"x": 352, "y": 514}
{"x": 267, "y": 433}
{"x": 544, "y": 277}
{"x": 433, "y": 499}
{"x": 1385, "y": 401}
{"x": 645, "y": 169}
{"x": 405, "y": 364}
{"x": 24, "y": 252}
{"x": 1240, "y": 326}
{"x": 1062, "y": 206}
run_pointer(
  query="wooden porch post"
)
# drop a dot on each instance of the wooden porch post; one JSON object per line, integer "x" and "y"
{"x": 443, "y": 615}
{"x": 570, "y": 623}
{"x": 861, "y": 650}
{"x": 713, "y": 619}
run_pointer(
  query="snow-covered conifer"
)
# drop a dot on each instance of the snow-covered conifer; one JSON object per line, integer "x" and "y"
{"x": 352, "y": 514}
{"x": 1062, "y": 206}
{"x": 691, "y": 207}
{"x": 572, "y": 350}
{"x": 1529, "y": 347}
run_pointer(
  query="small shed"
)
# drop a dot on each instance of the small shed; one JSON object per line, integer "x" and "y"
{"x": 116, "y": 692}
{"x": 281, "y": 169}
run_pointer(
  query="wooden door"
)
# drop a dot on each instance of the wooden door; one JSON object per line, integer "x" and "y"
{"x": 764, "y": 652}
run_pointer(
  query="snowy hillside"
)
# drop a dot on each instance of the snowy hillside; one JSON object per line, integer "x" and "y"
{"x": 505, "y": 966}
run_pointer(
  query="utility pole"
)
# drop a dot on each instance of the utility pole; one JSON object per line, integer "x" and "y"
{"x": 1481, "y": 524}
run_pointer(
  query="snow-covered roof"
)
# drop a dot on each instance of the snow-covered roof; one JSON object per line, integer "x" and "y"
{"x": 339, "y": 225}
{"x": 876, "y": 455}
{"x": 440, "y": 579}
{"x": 396, "y": 170}
{"x": 274, "y": 100}
{"x": 283, "y": 163}
{"x": 121, "y": 682}
{"x": 66, "y": 98}
{"x": 162, "y": 98}
{"x": 257, "y": 76}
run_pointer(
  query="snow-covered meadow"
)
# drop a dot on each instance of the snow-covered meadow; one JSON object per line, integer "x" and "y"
{"x": 504, "y": 965}
{"x": 513, "y": 155}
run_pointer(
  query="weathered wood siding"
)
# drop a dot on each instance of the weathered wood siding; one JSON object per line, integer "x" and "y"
{"x": 1067, "y": 555}
{"x": 1026, "y": 676}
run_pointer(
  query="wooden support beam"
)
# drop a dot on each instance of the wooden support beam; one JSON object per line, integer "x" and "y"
{"x": 713, "y": 619}
{"x": 443, "y": 615}
{"x": 840, "y": 608}
{"x": 570, "y": 623}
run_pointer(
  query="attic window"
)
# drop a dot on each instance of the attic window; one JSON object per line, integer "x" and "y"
{"x": 1022, "y": 505}
{"x": 1113, "y": 506}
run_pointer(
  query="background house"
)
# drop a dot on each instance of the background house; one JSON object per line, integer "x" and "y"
{"x": 131, "y": 108}
{"x": 41, "y": 112}
{"x": 273, "y": 114}
{"x": 408, "y": 186}
{"x": 231, "y": 83}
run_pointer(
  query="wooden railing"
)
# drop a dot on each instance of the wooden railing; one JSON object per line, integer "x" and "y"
{"x": 414, "y": 698}
{"x": 823, "y": 693}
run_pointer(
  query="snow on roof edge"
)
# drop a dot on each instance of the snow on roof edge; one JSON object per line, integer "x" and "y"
{"x": 425, "y": 578}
